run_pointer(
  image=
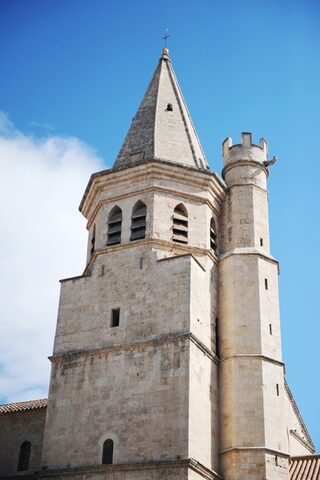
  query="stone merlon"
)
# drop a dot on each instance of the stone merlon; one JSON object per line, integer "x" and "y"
{"x": 245, "y": 151}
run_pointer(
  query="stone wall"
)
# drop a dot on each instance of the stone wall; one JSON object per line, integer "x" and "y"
{"x": 137, "y": 396}
{"x": 145, "y": 290}
{"x": 15, "y": 428}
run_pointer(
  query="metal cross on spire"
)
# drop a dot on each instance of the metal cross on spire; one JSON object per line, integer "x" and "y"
{"x": 165, "y": 37}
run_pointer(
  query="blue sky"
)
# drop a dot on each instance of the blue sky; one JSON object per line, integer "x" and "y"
{"x": 78, "y": 69}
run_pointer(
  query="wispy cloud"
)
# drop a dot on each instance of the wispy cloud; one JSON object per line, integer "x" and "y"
{"x": 44, "y": 126}
{"x": 43, "y": 238}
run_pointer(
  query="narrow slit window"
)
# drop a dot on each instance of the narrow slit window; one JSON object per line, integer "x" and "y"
{"x": 266, "y": 283}
{"x": 261, "y": 242}
{"x": 24, "y": 456}
{"x": 213, "y": 235}
{"x": 115, "y": 317}
{"x": 217, "y": 339}
{"x": 180, "y": 225}
{"x": 107, "y": 452}
{"x": 138, "y": 221}
{"x": 277, "y": 389}
{"x": 93, "y": 240}
{"x": 270, "y": 328}
{"x": 114, "y": 226}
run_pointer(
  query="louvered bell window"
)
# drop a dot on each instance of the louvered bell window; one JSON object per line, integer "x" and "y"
{"x": 180, "y": 225}
{"x": 138, "y": 222}
{"x": 114, "y": 226}
{"x": 213, "y": 235}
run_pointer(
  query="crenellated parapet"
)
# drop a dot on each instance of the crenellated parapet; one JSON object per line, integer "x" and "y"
{"x": 246, "y": 162}
{"x": 244, "y": 151}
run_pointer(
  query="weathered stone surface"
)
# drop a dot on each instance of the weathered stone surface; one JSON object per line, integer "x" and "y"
{"x": 16, "y": 428}
{"x": 162, "y": 127}
{"x": 191, "y": 382}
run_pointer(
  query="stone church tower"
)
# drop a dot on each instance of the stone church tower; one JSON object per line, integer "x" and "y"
{"x": 167, "y": 356}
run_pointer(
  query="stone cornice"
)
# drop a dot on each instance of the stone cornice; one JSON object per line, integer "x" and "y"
{"x": 244, "y": 163}
{"x": 173, "y": 247}
{"x": 254, "y": 356}
{"x": 164, "y": 259}
{"x": 249, "y": 251}
{"x": 151, "y": 170}
{"x": 147, "y": 465}
{"x": 169, "y": 338}
{"x": 248, "y": 185}
{"x": 261, "y": 448}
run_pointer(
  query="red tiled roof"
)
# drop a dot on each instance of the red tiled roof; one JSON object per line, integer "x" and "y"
{"x": 23, "y": 406}
{"x": 305, "y": 468}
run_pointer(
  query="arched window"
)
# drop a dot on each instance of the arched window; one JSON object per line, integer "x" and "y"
{"x": 24, "y": 456}
{"x": 213, "y": 235}
{"x": 138, "y": 221}
{"x": 107, "y": 452}
{"x": 114, "y": 226}
{"x": 93, "y": 240}
{"x": 180, "y": 224}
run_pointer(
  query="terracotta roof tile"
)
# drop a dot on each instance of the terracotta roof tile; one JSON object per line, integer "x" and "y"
{"x": 23, "y": 406}
{"x": 305, "y": 468}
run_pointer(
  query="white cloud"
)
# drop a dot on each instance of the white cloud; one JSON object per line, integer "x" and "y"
{"x": 43, "y": 239}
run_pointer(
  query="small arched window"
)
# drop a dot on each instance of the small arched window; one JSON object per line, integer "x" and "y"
{"x": 114, "y": 226}
{"x": 24, "y": 456}
{"x": 213, "y": 235}
{"x": 138, "y": 221}
{"x": 93, "y": 240}
{"x": 180, "y": 224}
{"x": 107, "y": 452}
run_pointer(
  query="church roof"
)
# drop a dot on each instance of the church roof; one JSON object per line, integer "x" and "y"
{"x": 162, "y": 127}
{"x": 296, "y": 410}
{"x": 23, "y": 406}
{"x": 305, "y": 468}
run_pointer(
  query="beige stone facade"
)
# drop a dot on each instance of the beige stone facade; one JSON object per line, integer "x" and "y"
{"x": 16, "y": 426}
{"x": 168, "y": 346}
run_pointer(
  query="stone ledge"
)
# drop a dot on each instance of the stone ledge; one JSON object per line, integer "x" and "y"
{"x": 254, "y": 356}
{"x": 103, "y": 469}
{"x": 182, "y": 255}
{"x": 244, "y": 163}
{"x": 151, "y": 167}
{"x": 138, "y": 344}
{"x": 245, "y": 251}
{"x": 248, "y": 251}
{"x": 152, "y": 243}
{"x": 248, "y": 185}
{"x": 265, "y": 449}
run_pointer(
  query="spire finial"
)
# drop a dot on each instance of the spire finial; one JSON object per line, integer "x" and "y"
{"x": 165, "y": 53}
{"x": 165, "y": 50}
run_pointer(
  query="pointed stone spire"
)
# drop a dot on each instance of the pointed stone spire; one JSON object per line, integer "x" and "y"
{"x": 162, "y": 128}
